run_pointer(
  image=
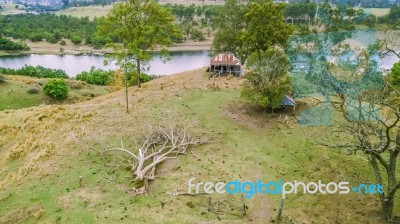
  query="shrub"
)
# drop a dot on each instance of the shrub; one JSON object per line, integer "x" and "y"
{"x": 35, "y": 71}
{"x": 2, "y": 79}
{"x": 76, "y": 39}
{"x": 36, "y": 37}
{"x": 52, "y": 40}
{"x": 75, "y": 84}
{"x": 196, "y": 34}
{"x": 99, "y": 41}
{"x": 268, "y": 81}
{"x": 63, "y": 43}
{"x": 95, "y": 76}
{"x": 33, "y": 90}
{"x": 394, "y": 76}
{"x": 56, "y": 89}
{"x": 8, "y": 45}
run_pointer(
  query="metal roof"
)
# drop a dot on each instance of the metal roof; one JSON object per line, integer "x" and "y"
{"x": 225, "y": 59}
{"x": 288, "y": 101}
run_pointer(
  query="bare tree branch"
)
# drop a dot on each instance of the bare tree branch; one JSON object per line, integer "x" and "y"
{"x": 158, "y": 145}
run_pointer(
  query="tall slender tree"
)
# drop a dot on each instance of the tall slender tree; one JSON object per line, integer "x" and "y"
{"x": 139, "y": 26}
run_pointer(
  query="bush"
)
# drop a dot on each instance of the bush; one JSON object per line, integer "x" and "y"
{"x": 268, "y": 81}
{"x": 95, "y": 77}
{"x": 196, "y": 34}
{"x": 394, "y": 76}
{"x": 63, "y": 43}
{"x": 56, "y": 89}
{"x": 75, "y": 84}
{"x": 8, "y": 45}
{"x": 76, "y": 39}
{"x": 36, "y": 37}
{"x": 33, "y": 90}
{"x": 132, "y": 79}
{"x": 2, "y": 79}
{"x": 35, "y": 71}
{"x": 52, "y": 40}
{"x": 99, "y": 41}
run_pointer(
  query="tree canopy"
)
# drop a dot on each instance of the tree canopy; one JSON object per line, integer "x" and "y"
{"x": 268, "y": 80}
{"x": 253, "y": 27}
{"x": 395, "y": 75}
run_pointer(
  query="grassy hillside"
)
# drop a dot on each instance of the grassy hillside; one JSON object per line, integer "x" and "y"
{"x": 14, "y": 92}
{"x": 45, "y": 150}
{"x": 378, "y": 11}
{"x": 9, "y": 9}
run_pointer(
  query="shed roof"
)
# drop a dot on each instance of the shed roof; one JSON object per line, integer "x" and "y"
{"x": 225, "y": 59}
{"x": 288, "y": 101}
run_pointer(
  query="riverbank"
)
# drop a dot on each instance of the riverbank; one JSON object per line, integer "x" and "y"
{"x": 44, "y": 47}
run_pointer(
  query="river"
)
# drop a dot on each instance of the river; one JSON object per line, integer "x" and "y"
{"x": 75, "y": 64}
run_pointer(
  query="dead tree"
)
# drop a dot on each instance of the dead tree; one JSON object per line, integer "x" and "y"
{"x": 371, "y": 124}
{"x": 388, "y": 43}
{"x": 159, "y": 144}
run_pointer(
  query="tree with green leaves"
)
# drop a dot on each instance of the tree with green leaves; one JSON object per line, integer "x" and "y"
{"x": 231, "y": 28}
{"x": 395, "y": 75}
{"x": 140, "y": 26}
{"x": 268, "y": 80}
{"x": 255, "y": 26}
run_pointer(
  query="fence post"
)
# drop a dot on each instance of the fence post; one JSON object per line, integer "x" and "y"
{"x": 243, "y": 205}
{"x": 209, "y": 204}
{"x": 279, "y": 217}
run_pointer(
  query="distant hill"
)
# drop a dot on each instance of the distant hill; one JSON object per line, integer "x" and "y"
{"x": 51, "y": 3}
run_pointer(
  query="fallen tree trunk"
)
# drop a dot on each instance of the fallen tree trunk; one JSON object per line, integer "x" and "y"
{"x": 160, "y": 144}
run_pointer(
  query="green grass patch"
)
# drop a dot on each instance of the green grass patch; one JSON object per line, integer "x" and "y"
{"x": 14, "y": 94}
{"x": 245, "y": 145}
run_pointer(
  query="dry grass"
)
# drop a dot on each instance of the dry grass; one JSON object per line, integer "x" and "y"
{"x": 9, "y": 9}
{"x": 378, "y": 11}
{"x": 24, "y": 79}
{"x": 44, "y": 47}
{"x": 86, "y": 11}
{"x": 23, "y": 215}
{"x": 34, "y": 138}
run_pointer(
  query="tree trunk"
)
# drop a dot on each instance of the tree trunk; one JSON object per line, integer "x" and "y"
{"x": 388, "y": 203}
{"x": 138, "y": 72}
{"x": 387, "y": 206}
{"x": 126, "y": 91}
{"x": 387, "y": 198}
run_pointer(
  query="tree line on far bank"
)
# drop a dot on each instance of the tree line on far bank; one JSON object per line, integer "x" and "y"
{"x": 194, "y": 23}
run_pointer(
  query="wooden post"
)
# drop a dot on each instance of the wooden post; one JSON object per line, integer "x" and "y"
{"x": 243, "y": 205}
{"x": 209, "y": 204}
{"x": 126, "y": 91}
{"x": 80, "y": 181}
{"x": 279, "y": 216}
